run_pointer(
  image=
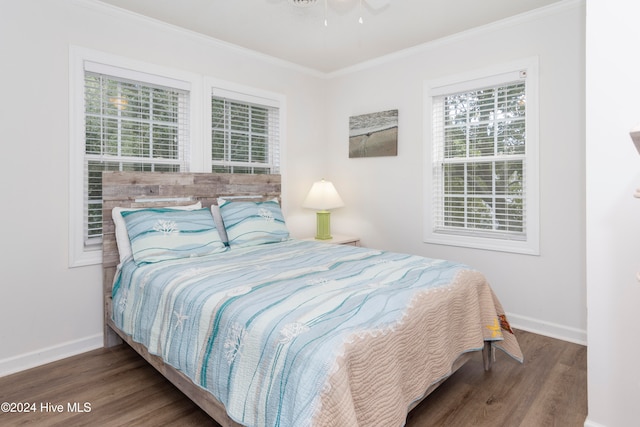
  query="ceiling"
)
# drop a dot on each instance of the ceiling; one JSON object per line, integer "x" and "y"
{"x": 297, "y": 34}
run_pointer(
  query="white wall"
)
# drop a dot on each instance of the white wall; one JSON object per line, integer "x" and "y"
{"x": 613, "y": 214}
{"x": 383, "y": 196}
{"x": 48, "y": 310}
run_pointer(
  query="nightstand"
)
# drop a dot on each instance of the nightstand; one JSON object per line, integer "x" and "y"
{"x": 338, "y": 239}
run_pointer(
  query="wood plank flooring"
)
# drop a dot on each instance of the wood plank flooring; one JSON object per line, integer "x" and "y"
{"x": 120, "y": 389}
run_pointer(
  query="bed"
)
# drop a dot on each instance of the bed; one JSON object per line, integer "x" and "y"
{"x": 260, "y": 329}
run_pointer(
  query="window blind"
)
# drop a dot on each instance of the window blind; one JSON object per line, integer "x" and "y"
{"x": 132, "y": 125}
{"x": 479, "y": 158}
{"x": 245, "y": 136}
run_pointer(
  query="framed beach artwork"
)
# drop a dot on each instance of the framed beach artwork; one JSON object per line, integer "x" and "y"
{"x": 374, "y": 134}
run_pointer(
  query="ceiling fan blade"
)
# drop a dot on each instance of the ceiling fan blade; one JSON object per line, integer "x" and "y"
{"x": 377, "y": 4}
{"x": 303, "y": 3}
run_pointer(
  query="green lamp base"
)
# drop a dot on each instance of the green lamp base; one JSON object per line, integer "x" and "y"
{"x": 323, "y": 229}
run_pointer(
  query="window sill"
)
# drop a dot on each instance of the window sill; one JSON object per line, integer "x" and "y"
{"x": 85, "y": 258}
{"x": 499, "y": 245}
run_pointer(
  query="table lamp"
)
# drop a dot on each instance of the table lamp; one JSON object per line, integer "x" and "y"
{"x": 323, "y": 196}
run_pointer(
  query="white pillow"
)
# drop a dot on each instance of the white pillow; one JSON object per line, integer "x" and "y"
{"x": 122, "y": 237}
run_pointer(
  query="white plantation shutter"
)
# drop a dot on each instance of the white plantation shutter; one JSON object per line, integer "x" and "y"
{"x": 131, "y": 115}
{"x": 480, "y": 147}
{"x": 245, "y": 133}
{"x": 480, "y": 164}
{"x": 133, "y": 121}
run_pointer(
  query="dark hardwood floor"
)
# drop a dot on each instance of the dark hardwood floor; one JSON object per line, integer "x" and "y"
{"x": 116, "y": 387}
{"x": 549, "y": 389}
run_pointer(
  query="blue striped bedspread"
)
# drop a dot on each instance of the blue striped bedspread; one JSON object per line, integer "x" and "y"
{"x": 262, "y": 327}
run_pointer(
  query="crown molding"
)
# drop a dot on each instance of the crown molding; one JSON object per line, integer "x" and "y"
{"x": 120, "y": 13}
{"x": 522, "y": 18}
{"x": 533, "y": 15}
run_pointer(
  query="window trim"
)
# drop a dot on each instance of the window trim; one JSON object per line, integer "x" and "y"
{"x": 241, "y": 93}
{"x": 80, "y": 59}
{"x": 470, "y": 81}
{"x": 199, "y": 127}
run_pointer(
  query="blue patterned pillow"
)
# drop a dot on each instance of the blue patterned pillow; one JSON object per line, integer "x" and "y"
{"x": 159, "y": 234}
{"x": 253, "y": 223}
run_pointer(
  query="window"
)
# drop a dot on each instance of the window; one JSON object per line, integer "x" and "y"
{"x": 245, "y": 133}
{"x": 130, "y": 125}
{"x": 130, "y": 115}
{"x": 483, "y": 163}
{"x": 124, "y": 115}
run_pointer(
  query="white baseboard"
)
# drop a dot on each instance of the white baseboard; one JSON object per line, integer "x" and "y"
{"x": 589, "y": 423}
{"x": 565, "y": 333}
{"x": 49, "y": 354}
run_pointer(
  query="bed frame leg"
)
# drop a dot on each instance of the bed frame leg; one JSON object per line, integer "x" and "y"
{"x": 486, "y": 356}
{"x": 111, "y": 338}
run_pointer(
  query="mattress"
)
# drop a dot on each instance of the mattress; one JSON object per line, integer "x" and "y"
{"x": 301, "y": 333}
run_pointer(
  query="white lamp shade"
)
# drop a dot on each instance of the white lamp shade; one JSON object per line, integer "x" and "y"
{"x": 323, "y": 196}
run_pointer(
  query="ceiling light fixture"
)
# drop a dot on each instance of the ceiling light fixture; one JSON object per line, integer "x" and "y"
{"x": 303, "y": 3}
{"x": 326, "y": 22}
{"x": 373, "y": 4}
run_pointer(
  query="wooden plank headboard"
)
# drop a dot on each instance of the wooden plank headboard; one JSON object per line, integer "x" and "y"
{"x": 145, "y": 189}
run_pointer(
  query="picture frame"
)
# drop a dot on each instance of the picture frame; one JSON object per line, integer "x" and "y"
{"x": 374, "y": 134}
